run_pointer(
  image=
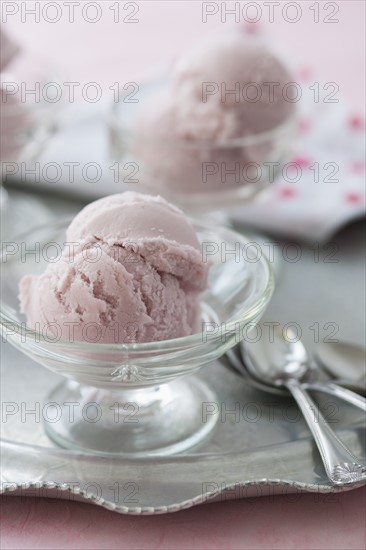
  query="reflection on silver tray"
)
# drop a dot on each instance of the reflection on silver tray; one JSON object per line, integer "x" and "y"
{"x": 261, "y": 446}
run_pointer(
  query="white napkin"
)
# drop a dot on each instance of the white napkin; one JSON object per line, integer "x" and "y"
{"x": 332, "y": 136}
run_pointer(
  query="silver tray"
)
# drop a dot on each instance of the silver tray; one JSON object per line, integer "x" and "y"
{"x": 263, "y": 448}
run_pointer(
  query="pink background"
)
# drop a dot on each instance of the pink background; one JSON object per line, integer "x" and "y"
{"x": 106, "y": 52}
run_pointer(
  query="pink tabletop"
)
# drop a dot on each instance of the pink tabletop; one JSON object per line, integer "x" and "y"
{"x": 309, "y": 522}
{"x": 331, "y": 52}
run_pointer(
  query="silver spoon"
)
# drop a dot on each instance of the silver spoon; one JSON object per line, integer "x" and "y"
{"x": 309, "y": 382}
{"x": 283, "y": 362}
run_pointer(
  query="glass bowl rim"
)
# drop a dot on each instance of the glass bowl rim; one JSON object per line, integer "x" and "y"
{"x": 186, "y": 342}
{"x": 252, "y": 139}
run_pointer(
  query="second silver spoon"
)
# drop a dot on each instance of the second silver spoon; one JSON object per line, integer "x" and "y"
{"x": 283, "y": 362}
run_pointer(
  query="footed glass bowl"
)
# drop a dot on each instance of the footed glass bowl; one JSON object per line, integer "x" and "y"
{"x": 201, "y": 176}
{"x": 134, "y": 399}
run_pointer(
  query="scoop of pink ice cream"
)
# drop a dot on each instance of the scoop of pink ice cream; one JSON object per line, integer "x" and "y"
{"x": 132, "y": 272}
{"x": 189, "y": 135}
{"x": 230, "y": 87}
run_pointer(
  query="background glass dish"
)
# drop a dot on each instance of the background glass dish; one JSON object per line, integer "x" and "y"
{"x": 25, "y": 128}
{"x": 195, "y": 174}
{"x": 135, "y": 399}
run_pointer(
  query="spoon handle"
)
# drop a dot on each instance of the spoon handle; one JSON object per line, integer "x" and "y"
{"x": 333, "y": 389}
{"x": 341, "y": 465}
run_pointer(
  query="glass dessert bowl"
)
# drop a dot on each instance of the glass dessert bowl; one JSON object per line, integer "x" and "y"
{"x": 137, "y": 399}
{"x": 197, "y": 174}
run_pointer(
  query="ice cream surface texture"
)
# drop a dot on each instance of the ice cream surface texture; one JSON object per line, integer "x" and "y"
{"x": 132, "y": 271}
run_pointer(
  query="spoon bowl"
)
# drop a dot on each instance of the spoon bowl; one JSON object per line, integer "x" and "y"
{"x": 280, "y": 358}
{"x": 348, "y": 386}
